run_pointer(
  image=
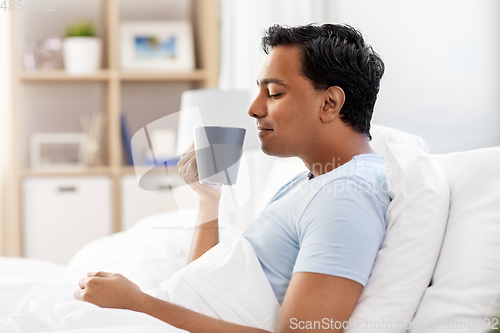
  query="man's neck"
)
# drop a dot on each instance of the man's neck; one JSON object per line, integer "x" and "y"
{"x": 325, "y": 158}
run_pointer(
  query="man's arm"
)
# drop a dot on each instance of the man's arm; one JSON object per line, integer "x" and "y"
{"x": 310, "y": 297}
{"x": 189, "y": 320}
{"x": 314, "y": 297}
{"x": 206, "y": 233}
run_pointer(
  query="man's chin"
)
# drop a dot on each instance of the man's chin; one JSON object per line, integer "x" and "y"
{"x": 272, "y": 151}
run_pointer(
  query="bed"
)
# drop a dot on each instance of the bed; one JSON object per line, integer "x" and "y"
{"x": 157, "y": 246}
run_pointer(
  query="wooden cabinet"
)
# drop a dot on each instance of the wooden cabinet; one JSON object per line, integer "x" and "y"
{"x": 52, "y": 101}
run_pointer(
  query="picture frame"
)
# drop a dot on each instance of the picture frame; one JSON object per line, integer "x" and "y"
{"x": 157, "y": 45}
{"x": 58, "y": 150}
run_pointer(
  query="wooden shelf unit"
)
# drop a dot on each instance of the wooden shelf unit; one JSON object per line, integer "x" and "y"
{"x": 65, "y": 172}
{"x": 197, "y": 75}
{"x": 60, "y": 75}
{"x": 205, "y": 19}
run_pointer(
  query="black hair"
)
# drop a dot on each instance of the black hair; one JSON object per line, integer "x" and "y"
{"x": 336, "y": 55}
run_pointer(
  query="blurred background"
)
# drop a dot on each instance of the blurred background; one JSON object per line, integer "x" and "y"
{"x": 79, "y": 78}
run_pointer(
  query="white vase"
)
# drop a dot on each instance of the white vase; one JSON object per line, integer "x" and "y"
{"x": 82, "y": 55}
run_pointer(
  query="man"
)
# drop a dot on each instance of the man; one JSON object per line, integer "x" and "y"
{"x": 316, "y": 245}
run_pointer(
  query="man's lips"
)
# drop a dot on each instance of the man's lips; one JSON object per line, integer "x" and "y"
{"x": 263, "y": 131}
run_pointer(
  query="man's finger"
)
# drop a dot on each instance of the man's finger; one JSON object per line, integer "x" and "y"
{"x": 183, "y": 168}
{"x": 82, "y": 283}
{"x": 193, "y": 167}
{"x": 79, "y": 294}
{"x": 186, "y": 158}
{"x": 102, "y": 274}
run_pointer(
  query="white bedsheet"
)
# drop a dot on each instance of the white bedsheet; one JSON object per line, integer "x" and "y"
{"x": 33, "y": 298}
{"x": 22, "y": 270}
{"x": 227, "y": 282}
{"x": 50, "y": 306}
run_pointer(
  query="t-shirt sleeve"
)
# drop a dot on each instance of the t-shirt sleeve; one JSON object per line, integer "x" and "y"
{"x": 341, "y": 231}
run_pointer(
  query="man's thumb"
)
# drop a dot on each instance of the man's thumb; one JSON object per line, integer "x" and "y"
{"x": 99, "y": 274}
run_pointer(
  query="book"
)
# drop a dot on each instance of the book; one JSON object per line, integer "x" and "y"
{"x": 127, "y": 141}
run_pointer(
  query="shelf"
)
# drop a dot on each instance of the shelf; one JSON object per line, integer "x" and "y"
{"x": 196, "y": 75}
{"x": 104, "y": 75}
{"x": 126, "y": 170}
{"x": 61, "y": 75}
{"x": 65, "y": 172}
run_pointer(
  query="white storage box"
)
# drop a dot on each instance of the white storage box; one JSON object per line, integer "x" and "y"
{"x": 62, "y": 214}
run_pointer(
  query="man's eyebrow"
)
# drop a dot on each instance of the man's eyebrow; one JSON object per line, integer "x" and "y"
{"x": 265, "y": 82}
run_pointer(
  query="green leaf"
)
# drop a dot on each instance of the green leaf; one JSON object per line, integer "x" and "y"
{"x": 81, "y": 29}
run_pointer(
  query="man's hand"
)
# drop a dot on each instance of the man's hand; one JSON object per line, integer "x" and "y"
{"x": 109, "y": 290}
{"x": 188, "y": 171}
{"x": 206, "y": 234}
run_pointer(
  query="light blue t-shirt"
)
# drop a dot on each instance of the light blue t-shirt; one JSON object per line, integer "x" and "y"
{"x": 331, "y": 224}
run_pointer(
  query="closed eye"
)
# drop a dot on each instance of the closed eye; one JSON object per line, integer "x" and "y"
{"x": 274, "y": 96}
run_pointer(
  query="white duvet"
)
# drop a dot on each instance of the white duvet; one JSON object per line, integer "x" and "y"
{"x": 50, "y": 306}
{"x": 227, "y": 282}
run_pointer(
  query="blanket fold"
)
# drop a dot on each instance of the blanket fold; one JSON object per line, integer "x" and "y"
{"x": 227, "y": 283}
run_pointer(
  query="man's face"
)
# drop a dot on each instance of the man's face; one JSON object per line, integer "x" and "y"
{"x": 287, "y": 106}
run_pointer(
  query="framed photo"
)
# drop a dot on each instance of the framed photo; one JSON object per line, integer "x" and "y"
{"x": 157, "y": 45}
{"x": 58, "y": 150}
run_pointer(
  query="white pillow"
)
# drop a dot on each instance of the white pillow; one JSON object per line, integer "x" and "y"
{"x": 416, "y": 221}
{"x": 465, "y": 288}
{"x": 382, "y": 135}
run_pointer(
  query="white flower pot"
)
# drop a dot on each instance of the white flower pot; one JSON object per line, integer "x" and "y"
{"x": 82, "y": 55}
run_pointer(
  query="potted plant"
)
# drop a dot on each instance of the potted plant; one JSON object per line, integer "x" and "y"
{"x": 82, "y": 49}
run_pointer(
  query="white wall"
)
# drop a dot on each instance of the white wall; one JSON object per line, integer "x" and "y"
{"x": 242, "y": 25}
{"x": 5, "y": 101}
{"x": 442, "y": 59}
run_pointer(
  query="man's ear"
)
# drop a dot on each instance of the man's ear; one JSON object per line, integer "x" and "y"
{"x": 334, "y": 98}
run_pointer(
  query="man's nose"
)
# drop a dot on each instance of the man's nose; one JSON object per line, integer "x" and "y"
{"x": 257, "y": 109}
